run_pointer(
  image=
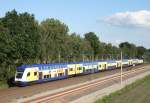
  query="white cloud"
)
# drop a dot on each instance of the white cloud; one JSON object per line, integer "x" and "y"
{"x": 130, "y": 19}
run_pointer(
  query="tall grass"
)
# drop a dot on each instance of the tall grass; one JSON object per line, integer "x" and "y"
{"x": 110, "y": 97}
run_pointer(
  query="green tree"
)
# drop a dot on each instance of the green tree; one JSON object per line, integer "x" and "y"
{"x": 19, "y": 42}
{"x": 146, "y": 56}
{"x": 23, "y": 30}
{"x": 140, "y": 51}
{"x": 94, "y": 42}
{"x": 126, "y": 49}
{"x": 79, "y": 48}
{"x": 53, "y": 37}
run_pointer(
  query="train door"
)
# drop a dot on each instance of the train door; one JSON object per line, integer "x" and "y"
{"x": 40, "y": 75}
{"x": 117, "y": 64}
{"x": 83, "y": 69}
{"x": 105, "y": 66}
{"x": 66, "y": 72}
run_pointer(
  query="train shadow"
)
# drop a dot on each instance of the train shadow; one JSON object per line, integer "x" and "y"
{"x": 10, "y": 82}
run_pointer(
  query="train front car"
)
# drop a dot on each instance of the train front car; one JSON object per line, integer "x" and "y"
{"x": 25, "y": 75}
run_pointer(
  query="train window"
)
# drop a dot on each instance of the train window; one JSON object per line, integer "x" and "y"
{"x": 70, "y": 69}
{"x": 60, "y": 74}
{"x": 100, "y": 66}
{"x": 105, "y": 66}
{"x": 88, "y": 70}
{"x": 55, "y": 75}
{"x": 20, "y": 70}
{"x": 28, "y": 74}
{"x": 44, "y": 76}
{"x": 47, "y": 76}
{"x": 80, "y": 68}
{"x": 35, "y": 73}
{"x": 19, "y": 75}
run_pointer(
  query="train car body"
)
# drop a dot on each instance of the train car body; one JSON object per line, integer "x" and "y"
{"x": 90, "y": 67}
{"x": 118, "y": 63}
{"x": 102, "y": 65}
{"x": 125, "y": 62}
{"x": 140, "y": 61}
{"x": 39, "y": 73}
{"x": 111, "y": 64}
{"x": 130, "y": 62}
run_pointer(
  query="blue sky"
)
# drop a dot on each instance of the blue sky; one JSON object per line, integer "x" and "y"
{"x": 113, "y": 21}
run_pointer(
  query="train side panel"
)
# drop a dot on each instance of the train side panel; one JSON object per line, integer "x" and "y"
{"x": 118, "y": 63}
{"x": 79, "y": 68}
{"x": 71, "y": 69}
{"x": 102, "y": 65}
{"x": 112, "y": 65}
{"x": 31, "y": 74}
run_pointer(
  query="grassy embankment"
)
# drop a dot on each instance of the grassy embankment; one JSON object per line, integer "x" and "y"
{"x": 3, "y": 85}
{"x": 137, "y": 92}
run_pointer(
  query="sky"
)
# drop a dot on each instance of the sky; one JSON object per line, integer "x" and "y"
{"x": 113, "y": 21}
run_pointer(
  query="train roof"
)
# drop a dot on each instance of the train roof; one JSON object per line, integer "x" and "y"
{"x": 125, "y": 60}
{"x": 62, "y": 65}
{"x": 111, "y": 61}
{"x": 54, "y": 65}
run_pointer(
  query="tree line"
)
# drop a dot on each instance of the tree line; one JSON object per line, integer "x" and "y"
{"x": 23, "y": 40}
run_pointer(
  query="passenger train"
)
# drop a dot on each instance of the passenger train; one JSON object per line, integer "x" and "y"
{"x": 39, "y": 73}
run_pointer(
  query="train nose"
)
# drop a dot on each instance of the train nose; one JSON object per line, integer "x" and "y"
{"x": 19, "y": 82}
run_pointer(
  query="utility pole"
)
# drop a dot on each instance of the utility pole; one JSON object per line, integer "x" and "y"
{"x": 121, "y": 69}
{"x": 59, "y": 57}
{"x": 83, "y": 57}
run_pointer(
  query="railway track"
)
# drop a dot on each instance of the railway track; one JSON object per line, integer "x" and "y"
{"x": 83, "y": 87}
{"x": 16, "y": 93}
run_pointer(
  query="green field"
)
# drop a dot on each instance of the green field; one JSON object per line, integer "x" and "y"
{"x": 137, "y": 92}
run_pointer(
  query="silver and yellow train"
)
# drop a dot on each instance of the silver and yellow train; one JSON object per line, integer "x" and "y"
{"x": 39, "y": 73}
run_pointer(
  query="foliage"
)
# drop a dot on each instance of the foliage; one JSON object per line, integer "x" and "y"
{"x": 53, "y": 37}
{"x": 92, "y": 38}
{"x": 141, "y": 50}
{"x": 147, "y": 56}
{"x": 126, "y": 47}
{"x": 3, "y": 85}
{"x": 19, "y": 42}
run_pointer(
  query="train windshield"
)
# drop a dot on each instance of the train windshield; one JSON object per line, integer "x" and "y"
{"x": 19, "y": 73}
